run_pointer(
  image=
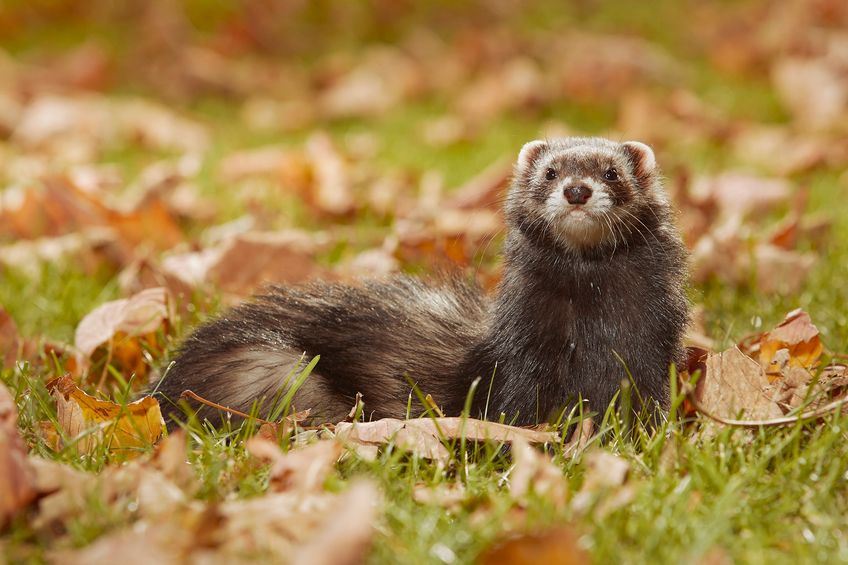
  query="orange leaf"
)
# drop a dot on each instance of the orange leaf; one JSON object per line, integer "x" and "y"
{"x": 123, "y": 428}
{"x": 559, "y": 546}
{"x": 797, "y": 334}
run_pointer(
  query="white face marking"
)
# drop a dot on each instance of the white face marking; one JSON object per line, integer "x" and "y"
{"x": 579, "y": 225}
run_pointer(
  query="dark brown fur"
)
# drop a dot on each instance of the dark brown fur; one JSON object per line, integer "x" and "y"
{"x": 569, "y": 321}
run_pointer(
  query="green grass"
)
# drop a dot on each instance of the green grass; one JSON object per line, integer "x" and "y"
{"x": 769, "y": 496}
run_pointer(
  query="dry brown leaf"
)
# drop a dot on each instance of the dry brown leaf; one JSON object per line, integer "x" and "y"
{"x": 814, "y": 90}
{"x": 17, "y": 478}
{"x": 485, "y": 190}
{"x": 535, "y": 472}
{"x": 383, "y": 78}
{"x": 271, "y": 115}
{"x": 157, "y": 126}
{"x": 291, "y": 519}
{"x": 422, "y": 435}
{"x": 422, "y": 442}
{"x": 58, "y": 206}
{"x": 798, "y": 336}
{"x": 734, "y": 385}
{"x": 332, "y": 191}
{"x": 593, "y": 67}
{"x": 346, "y": 534}
{"x": 607, "y": 486}
{"x": 91, "y": 422}
{"x": 371, "y": 263}
{"x": 142, "y": 314}
{"x": 559, "y": 546}
{"x": 143, "y": 543}
{"x": 449, "y": 130}
{"x": 447, "y": 495}
{"x": 781, "y": 150}
{"x": 88, "y": 250}
{"x": 171, "y": 460}
{"x": 52, "y": 476}
{"x": 741, "y": 193}
{"x": 604, "y": 470}
{"x": 302, "y": 470}
{"x": 121, "y": 330}
{"x": 253, "y": 259}
{"x": 10, "y": 341}
{"x": 580, "y": 438}
{"x": 176, "y": 273}
{"x": 291, "y": 167}
{"x": 779, "y": 270}
{"x": 67, "y": 492}
{"x": 514, "y": 84}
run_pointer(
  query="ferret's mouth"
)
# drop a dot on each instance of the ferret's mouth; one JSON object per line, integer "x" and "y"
{"x": 578, "y": 226}
{"x": 579, "y": 214}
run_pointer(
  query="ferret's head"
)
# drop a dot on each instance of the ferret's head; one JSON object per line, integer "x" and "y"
{"x": 585, "y": 193}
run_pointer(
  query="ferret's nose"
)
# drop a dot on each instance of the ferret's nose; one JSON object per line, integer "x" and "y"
{"x": 578, "y": 194}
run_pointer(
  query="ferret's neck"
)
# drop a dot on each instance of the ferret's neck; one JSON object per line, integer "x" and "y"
{"x": 531, "y": 266}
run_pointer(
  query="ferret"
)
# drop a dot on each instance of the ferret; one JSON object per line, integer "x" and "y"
{"x": 592, "y": 295}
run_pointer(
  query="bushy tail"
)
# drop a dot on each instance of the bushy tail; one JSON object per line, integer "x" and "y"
{"x": 369, "y": 338}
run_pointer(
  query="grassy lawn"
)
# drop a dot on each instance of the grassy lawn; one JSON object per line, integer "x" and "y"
{"x": 701, "y": 494}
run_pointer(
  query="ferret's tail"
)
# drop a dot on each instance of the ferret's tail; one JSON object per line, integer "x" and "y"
{"x": 370, "y": 338}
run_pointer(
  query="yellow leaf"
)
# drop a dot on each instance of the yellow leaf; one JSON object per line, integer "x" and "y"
{"x": 123, "y": 428}
{"x": 799, "y": 336}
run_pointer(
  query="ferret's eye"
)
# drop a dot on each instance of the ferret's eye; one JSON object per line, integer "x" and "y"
{"x": 611, "y": 174}
{"x": 550, "y": 174}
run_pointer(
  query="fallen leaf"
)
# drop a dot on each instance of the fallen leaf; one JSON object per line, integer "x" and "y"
{"x": 121, "y": 329}
{"x": 781, "y": 150}
{"x": 485, "y": 190}
{"x": 332, "y": 192}
{"x": 558, "y": 546}
{"x": 17, "y": 478}
{"x": 535, "y": 472}
{"x": 10, "y": 341}
{"x": 580, "y": 438}
{"x": 303, "y": 470}
{"x": 515, "y": 84}
{"x": 604, "y": 470}
{"x": 447, "y": 495}
{"x": 171, "y": 460}
{"x": 798, "y": 336}
{"x": 781, "y": 271}
{"x": 138, "y": 315}
{"x": 89, "y": 422}
{"x": 253, "y": 259}
{"x": 144, "y": 542}
{"x": 347, "y": 532}
{"x": 290, "y": 167}
{"x": 422, "y": 435}
{"x": 592, "y": 66}
{"x": 736, "y": 386}
{"x": 383, "y": 78}
{"x": 607, "y": 486}
{"x": 87, "y": 250}
{"x": 814, "y": 91}
{"x": 741, "y": 193}
{"x": 422, "y": 442}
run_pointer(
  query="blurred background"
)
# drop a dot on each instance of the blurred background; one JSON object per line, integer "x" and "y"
{"x": 211, "y": 146}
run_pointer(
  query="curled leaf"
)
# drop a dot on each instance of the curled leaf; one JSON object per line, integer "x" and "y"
{"x": 92, "y": 422}
{"x": 798, "y": 336}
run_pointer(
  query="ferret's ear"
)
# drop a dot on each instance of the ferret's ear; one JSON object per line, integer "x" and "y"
{"x": 529, "y": 153}
{"x": 642, "y": 157}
